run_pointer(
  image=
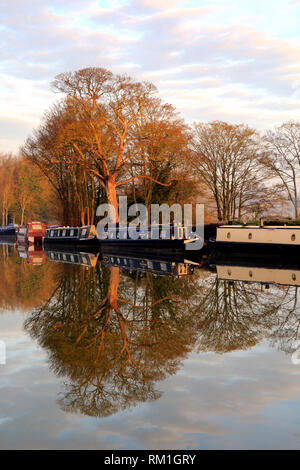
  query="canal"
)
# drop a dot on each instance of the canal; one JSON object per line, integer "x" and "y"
{"x": 127, "y": 352}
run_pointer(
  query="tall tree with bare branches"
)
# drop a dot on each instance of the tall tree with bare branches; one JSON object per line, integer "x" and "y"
{"x": 226, "y": 158}
{"x": 102, "y": 135}
{"x": 282, "y": 159}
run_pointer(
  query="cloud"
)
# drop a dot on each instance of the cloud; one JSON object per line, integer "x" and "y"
{"x": 188, "y": 51}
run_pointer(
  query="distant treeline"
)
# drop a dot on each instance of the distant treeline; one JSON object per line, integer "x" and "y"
{"x": 25, "y": 193}
{"x": 112, "y": 135}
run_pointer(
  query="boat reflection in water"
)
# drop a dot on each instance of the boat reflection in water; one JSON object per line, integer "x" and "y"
{"x": 73, "y": 257}
{"x": 262, "y": 271}
{"x": 158, "y": 265}
{"x": 34, "y": 254}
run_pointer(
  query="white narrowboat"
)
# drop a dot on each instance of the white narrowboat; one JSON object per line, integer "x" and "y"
{"x": 257, "y": 239}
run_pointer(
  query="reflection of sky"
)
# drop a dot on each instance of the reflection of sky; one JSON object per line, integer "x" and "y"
{"x": 245, "y": 399}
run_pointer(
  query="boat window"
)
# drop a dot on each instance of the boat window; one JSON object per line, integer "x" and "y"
{"x": 228, "y": 235}
{"x": 52, "y": 233}
{"x": 72, "y": 233}
{"x": 229, "y": 272}
{"x": 294, "y": 277}
{"x": 250, "y": 273}
{"x": 293, "y": 237}
{"x": 36, "y": 227}
{"x": 64, "y": 232}
{"x": 163, "y": 266}
{"x": 250, "y": 236}
{"x": 75, "y": 232}
{"x": 83, "y": 232}
{"x": 68, "y": 233}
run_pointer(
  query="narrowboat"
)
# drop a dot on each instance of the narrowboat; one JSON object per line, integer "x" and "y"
{"x": 252, "y": 239}
{"x": 8, "y": 230}
{"x": 32, "y": 233}
{"x": 158, "y": 266}
{"x": 76, "y": 236}
{"x": 174, "y": 237}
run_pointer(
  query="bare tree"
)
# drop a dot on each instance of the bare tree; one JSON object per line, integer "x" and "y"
{"x": 226, "y": 158}
{"x": 282, "y": 159}
{"x": 102, "y": 134}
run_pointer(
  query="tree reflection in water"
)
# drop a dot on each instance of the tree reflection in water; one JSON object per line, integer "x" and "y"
{"x": 237, "y": 315}
{"x": 114, "y": 335}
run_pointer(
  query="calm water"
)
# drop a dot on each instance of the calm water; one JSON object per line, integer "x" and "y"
{"x": 167, "y": 356}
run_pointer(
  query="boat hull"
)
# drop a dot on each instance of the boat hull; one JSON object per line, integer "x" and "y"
{"x": 254, "y": 248}
{"x": 140, "y": 244}
{"x": 7, "y": 232}
{"x": 74, "y": 242}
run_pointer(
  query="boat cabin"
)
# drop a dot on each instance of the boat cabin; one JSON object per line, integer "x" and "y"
{"x": 254, "y": 238}
{"x": 32, "y": 233}
{"x": 147, "y": 232}
{"x": 71, "y": 235}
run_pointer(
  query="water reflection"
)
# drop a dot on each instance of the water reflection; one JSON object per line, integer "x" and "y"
{"x": 115, "y": 325}
{"x": 113, "y": 336}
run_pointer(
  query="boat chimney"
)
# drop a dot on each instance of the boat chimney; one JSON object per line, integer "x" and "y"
{"x": 261, "y": 222}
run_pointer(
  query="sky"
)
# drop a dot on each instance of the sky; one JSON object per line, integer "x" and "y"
{"x": 236, "y": 61}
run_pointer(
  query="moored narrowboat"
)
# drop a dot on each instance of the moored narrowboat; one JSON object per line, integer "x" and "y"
{"x": 173, "y": 237}
{"x": 257, "y": 239}
{"x": 77, "y": 236}
{"x": 8, "y": 230}
{"x": 32, "y": 233}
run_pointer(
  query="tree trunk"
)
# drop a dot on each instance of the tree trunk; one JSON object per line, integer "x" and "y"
{"x": 112, "y": 199}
